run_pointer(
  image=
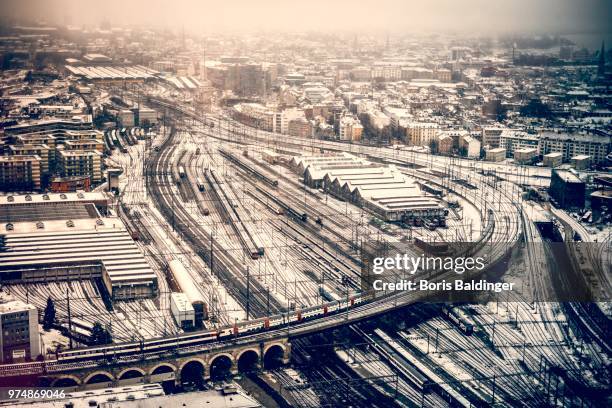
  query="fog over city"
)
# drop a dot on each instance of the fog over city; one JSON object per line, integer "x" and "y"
{"x": 472, "y": 16}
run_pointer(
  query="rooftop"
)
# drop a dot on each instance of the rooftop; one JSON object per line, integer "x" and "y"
{"x": 79, "y": 153}
{"x": 115, "y": 397}
{"x": 80, "y": 196}
{"x": 554, "y": 154}
{"x": 19, "y": 158}
{"x": 29, "y": 212}
{"x": 568, "y": 176}
{"x": 15, "y": 306}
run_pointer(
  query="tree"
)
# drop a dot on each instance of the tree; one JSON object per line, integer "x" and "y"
{"x": 99, "y": 335}
{"x": 434, "y": 146}
{"x": 49, "y": 315}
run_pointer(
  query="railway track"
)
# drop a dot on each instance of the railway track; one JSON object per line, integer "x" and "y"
{"x": 199, "y": 239}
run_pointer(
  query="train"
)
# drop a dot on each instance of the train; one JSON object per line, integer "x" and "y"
{"x": 438, "y": 192}
{"x": 248, "y": 168}
{"x": 284, "y": 207}
{"x": 117, "y": 141}
{"x": 466, "y": 328}
{"x": 200, "y": 184}
{"x": 108, "y": 142}
{"x": 328, "y": 294}
{"x": 465, "y": 183}
{"x": 296, "y": 214}
{"x": 186, "y": 284}
{"x": 412, "y": 373}
{"x": 430, "y": 225}
{"x": 193, "y": 341}
{"x": 247, "y": 236}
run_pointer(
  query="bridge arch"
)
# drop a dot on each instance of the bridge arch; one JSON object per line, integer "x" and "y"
{"x": 98, "y": 377}
{"x": 274, "y": 354}
{"x": 132, "y": 372}
{"x": 248, "y": 360}
{"x": 269, "y": 346}
{"x": 192, "y": 371}
{"x": 220, "y": 366}
{"x": 163, "y": 368}
{"x": 66, "y": 381}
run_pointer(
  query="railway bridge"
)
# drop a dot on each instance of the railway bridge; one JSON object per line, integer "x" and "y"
{"x": 214, "y": 363}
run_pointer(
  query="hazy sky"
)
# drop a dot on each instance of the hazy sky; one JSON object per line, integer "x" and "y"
{"x": 346, "y": 15}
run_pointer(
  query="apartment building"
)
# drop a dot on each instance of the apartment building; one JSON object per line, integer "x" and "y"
{"x": 41, "y": 150}
{"x": 350, "y": 128}
{"x": 421, "y": 134}
{"x": 575, "y": 144}
{"x": 491, "y": 135}
{"x": 513, "y": 140}
{"x": 80, "y": 163}
{"x": 19, "y": 337}
{"x": 84, "y": 144}
{"x": 19, "y": 173}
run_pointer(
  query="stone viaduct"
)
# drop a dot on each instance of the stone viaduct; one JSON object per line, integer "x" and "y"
{"x": 180, "y": 368}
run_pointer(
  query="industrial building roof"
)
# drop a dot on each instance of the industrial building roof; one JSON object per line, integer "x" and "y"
{"x": 27, "y": 212}
{"x": 112, "y": 72}
{"x": 47, "y": 230}
{"x": 85, "y": 242}
{"x": 80, "y": 196}
{"x": 384, "y": 187}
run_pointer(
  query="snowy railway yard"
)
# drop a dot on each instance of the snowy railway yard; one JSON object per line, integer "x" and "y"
{"x": 256, "y": 242}
{"x": 503, "y": 359}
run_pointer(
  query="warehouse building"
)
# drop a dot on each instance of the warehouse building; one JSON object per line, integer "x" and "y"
{"x": 70, "y": 184}
{"x": 581, "y": 162}
{"x": 147, "y": 116}
{"x": 384, "y": 190}
{"x": 55, "y": 237}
